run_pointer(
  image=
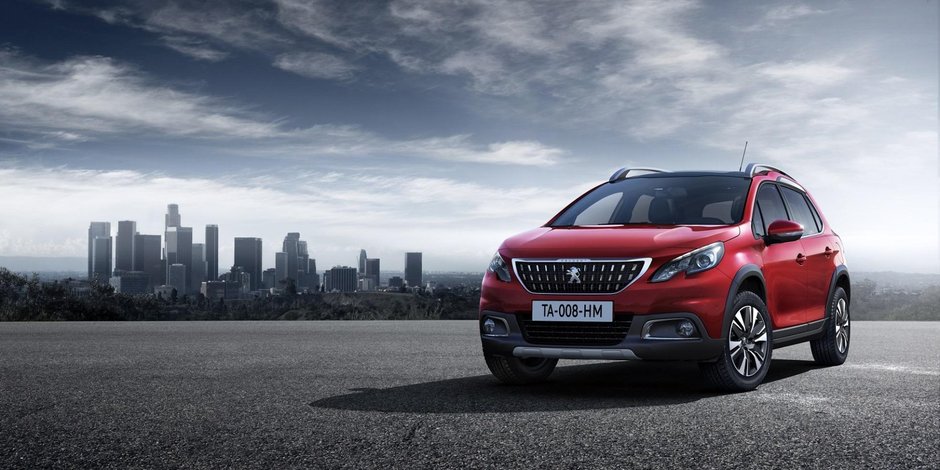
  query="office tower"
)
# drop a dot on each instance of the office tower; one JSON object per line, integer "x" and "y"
{"x": 95, "y": 230}
{"x": 269, "y": 278}
{"x": 197, "y": 267}
{"x": 248, "y": 257}
{"x": 292, "y": 248}
{"x": 177, "y": 278}
{"x": 396, "y": 282}
{"x": 101, "y": 259}
{"x": 327, "y": 284}
{"x": 372, "y": 271}
{"x": 179, "y": 249}
{"x": 212, "y": 252}
{"x": 303, "y": 265}
{"x": 313, "y": 279}
{"x": 124, "y": 246}
{"x": 413, "y": 269}
{"x": 147, "y": 259}
{"x": 362, "y": 262}
{"x": 280, "y": 269}
{"x": 343, "y": 279}
{"x": 172, "y": 218}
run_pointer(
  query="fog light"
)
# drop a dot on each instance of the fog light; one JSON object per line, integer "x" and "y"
{"x": 489, "y": 327}
{"x": 685, "y": 329}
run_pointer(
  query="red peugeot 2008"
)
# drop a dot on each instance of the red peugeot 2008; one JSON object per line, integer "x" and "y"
{"x": 714, "y": 267}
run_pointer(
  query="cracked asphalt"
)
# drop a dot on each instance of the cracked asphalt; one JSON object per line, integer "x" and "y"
{"x": 418, "y": 395}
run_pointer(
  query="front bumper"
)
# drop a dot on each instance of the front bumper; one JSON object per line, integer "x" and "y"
{"x": 635, "y": 345}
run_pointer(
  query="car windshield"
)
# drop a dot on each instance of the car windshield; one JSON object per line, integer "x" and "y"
{"x": 661, "y": 200}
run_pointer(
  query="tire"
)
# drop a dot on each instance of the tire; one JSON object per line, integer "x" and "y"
{"x": 520, "y": 371}
{"x": 748, "y": 346}
{"x": 832, "y": 348}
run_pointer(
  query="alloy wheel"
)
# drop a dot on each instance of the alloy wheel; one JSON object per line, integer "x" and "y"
{"x": 842, "y": 326}
{"x": 747, "y": 341}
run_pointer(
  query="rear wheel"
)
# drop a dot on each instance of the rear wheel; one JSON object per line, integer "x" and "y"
{"x": 832, "y": 348}
{"x": 748, "y": 348}
{"x": 519, "y": 370}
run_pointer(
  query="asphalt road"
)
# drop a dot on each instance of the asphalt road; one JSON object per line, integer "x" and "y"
{"x": 418, "y": 394}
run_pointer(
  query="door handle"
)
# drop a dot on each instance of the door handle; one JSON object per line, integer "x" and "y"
{"x": 800, "y": 259}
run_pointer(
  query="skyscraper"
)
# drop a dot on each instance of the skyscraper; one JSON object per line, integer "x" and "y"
{"x": 362, "y": 262}
{"x": 147, "y": 258}
{"x": 179, "y": 249}
{"x": 177, "y": 278}
{"x": 372, "y": 271}
{"x": 292, "y": 248}
{"x": 248, "y": 257}
{"x": 212, "y": 252}
{"x": 172, "y": 218}
{"x": 101, "y": 259}
{"x": 124, "y": 246}
{"x": 280, "y": 268}
{"x": 413, "y": 269}
{"x": 197, "y": 267}
{"x": 96, "y": 229}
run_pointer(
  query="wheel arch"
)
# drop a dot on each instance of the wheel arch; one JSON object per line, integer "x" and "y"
{"x": 748, "y": 278}
{"x": 840, "y": 278}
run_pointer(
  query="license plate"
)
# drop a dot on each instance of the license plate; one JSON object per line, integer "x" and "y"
{"x": 554, "y": 310}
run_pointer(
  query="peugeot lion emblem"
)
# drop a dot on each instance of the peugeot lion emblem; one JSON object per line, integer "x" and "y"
{"x": 574, "y": 275}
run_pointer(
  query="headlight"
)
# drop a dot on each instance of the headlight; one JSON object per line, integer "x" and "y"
{"x": 692, "y": 262}
{"x": 498, "y": 267}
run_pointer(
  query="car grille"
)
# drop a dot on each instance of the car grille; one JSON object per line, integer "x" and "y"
{"x": 577, "y": 277}
{"x": 576, "y": 334}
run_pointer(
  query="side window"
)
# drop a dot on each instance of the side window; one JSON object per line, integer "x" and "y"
{"x": 799, "y": 210}
{"x": 770, "y": 204}
{"x": 600, "y": 212}
{"x": 757, "y": 225}
{"x": 819, "y": 224}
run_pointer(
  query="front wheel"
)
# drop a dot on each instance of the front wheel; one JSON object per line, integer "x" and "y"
{"x": 746, "y": 356}
{"x": 520, "y": 370}
{"x": 832, "y": 347}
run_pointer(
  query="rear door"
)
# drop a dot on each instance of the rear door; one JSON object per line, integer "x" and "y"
{"x": 783, "y": 270}
{"x": 817, "y": 248}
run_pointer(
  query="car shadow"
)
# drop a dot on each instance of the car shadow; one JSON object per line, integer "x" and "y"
{"x": 579, "y": 387}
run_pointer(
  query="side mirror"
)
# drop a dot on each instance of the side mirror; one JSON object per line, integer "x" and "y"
{"x": 781, "y": 231}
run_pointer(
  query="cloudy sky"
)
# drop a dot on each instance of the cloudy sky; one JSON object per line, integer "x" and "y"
{"x": 446, "y": 126}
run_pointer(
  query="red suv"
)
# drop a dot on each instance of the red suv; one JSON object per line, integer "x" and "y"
{"x": 714, "y": 267}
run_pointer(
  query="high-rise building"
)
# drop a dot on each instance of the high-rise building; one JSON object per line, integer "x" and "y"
{"x": 292, "y": 248}
{"x": 197, "y": 267}
{"x": 172, "y": 218}
{"x": 101, "y": 259}
{"x": 372, "y": 271}
{"x": 179, "y": 249}
{"x": 413, "y": 269}
{"x": 248, "y": 257}
{"x": 95, "y": 230}
{"x": 269, "y": 278}
{"x": 280, "y": 269}
{"x": 177, "y": 278}
{"x": 396, "y": 282}
{"x": 124, "y": 246}
{"x": 362, "y": 262}
{"x": 147, "y": 259}
{"x": 303, "y": 265}
{"x": 212, "y": 252}
{"x": 343, "y": 279}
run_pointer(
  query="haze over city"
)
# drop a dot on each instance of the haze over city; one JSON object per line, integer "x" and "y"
{"x": 444, "y": 128}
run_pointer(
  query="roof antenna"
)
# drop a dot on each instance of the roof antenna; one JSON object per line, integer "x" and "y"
{"x": 742, "y": 156}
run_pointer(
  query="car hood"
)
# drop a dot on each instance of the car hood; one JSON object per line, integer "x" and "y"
{"x": 613, "y": 242}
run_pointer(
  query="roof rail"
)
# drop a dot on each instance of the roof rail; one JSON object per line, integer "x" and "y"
{"x": 753, "y": 168}
{"x": 622, "y": 173}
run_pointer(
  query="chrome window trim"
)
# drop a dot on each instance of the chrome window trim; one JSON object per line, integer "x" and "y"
{"x": 646, "y": 265}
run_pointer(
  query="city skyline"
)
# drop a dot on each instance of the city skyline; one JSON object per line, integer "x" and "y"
{"x": 185, "y": 265}
{"x": 414, "y": 124}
